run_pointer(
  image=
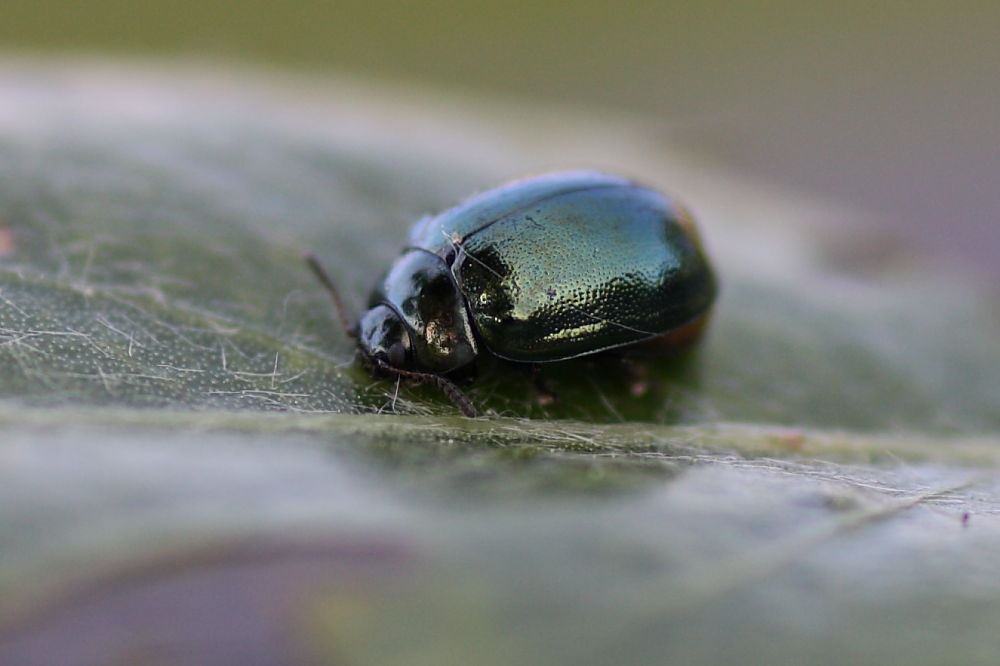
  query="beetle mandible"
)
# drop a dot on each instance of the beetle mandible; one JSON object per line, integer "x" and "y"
{"x": 539, "y": 270}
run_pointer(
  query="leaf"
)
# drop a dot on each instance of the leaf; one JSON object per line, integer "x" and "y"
{"x": 195, "y": 469}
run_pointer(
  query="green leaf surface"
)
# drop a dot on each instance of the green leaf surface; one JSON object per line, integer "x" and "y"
{"x": 194, "y": 469}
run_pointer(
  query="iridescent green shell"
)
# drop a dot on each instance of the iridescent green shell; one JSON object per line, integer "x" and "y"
{"x": 551, "y": 268}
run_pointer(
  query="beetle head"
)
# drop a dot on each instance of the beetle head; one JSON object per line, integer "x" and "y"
{"x": 383, "y": 338}
{"x": 385, "y": 342}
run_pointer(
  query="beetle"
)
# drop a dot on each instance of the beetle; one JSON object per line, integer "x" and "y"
{"x": 539, "y": 270}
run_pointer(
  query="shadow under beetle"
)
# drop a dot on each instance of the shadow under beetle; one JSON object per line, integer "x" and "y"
{"x": 542, "y": 269}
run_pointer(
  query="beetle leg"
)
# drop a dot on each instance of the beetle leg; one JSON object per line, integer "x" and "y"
{"x": 546, "y": 394}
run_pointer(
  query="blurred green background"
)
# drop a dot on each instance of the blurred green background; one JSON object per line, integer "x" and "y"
{"x": 893, "y": 106}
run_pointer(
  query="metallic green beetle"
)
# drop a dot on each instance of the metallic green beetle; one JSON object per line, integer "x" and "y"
{"x": 542, "y": 269}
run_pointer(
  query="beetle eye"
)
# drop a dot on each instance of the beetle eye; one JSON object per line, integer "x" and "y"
{"x": 397, "y": 355}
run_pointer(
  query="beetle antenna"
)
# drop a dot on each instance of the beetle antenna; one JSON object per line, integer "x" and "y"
{"x": 324, "y": 279}
{"x": 457, "y": 396}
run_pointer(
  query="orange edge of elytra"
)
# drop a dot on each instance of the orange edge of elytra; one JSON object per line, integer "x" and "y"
{"x": 681, "y": 337}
